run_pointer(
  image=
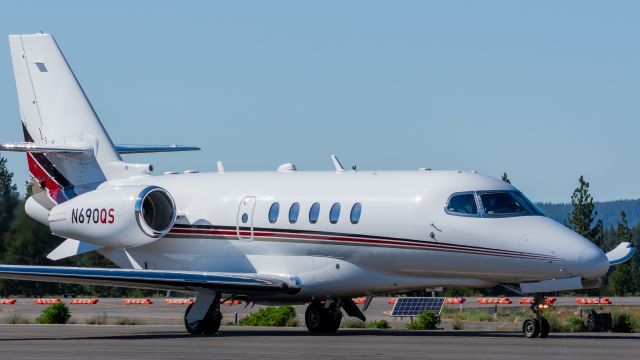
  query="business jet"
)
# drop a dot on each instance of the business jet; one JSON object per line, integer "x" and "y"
{"x": 274, "y": 237}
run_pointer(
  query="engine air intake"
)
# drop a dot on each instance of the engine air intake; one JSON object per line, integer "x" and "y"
{"x": 155, "y": 211}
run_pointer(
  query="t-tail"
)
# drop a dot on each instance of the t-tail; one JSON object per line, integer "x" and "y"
{"x": 68, "y": 150}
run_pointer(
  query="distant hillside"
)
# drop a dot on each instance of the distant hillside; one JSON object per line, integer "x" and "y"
{"x": 608, "y": 211}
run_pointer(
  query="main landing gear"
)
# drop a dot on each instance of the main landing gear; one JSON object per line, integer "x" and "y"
{"x": 538, "y": 327}
{"x": 323, "y": 318}
{"x": 203, "y": 317}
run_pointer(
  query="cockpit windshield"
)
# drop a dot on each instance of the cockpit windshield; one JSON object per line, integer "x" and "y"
{"x": 498, "y": 203}
{"x": 507, "y": 203}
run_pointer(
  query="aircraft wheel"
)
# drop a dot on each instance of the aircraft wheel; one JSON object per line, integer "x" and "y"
{"x": 544, "y": 328}
{"x": 207, "y": 326}
{"x": 320, "y": 320}
{"x": 531, "y": 328}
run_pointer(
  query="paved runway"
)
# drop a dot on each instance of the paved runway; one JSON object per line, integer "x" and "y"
{"x": 170, "y": 342}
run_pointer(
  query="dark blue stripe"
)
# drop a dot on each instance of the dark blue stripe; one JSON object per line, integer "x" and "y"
{"x": 116, "y": 274}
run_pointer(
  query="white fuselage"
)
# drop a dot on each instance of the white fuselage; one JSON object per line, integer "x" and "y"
{"x": 404, "y": 238}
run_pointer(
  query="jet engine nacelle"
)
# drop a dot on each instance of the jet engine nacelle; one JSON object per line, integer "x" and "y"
{"x": 123, "y": 216}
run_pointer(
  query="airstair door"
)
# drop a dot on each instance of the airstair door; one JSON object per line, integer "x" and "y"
{"x": 244, "y": 225}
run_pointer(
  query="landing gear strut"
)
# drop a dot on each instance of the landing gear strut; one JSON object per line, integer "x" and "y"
{"x": 203, "y": 317}
{"x": 538, "y": 327}
{"x": 323, "y": 318}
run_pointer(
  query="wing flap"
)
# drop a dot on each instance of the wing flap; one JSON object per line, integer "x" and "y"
{"x": 228, "y": 283}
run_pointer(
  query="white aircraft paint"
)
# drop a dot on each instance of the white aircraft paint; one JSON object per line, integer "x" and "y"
{"x": 211, "y": 232}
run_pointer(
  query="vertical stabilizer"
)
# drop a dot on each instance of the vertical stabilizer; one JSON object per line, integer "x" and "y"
{"x": 53, "y": 106}
{"x": 56, "y": 112}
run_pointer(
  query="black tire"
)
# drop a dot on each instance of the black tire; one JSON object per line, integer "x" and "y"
{"x": 320, "y": 320}
{"x": 212, "y": 322}
{"x": 334, "y": 317}
{"x": 544, "y": 328}
{"x": 531, "y": 328}
{"x": 207, "y": 326}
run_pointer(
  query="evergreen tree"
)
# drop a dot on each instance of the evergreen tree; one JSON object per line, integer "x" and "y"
{"x": 28, "y": 242}
{"x": 505, "y": 178}
{"x": 625, "y": 278}
{"x": 583, "y": 213}
{"x": 9, "y": 197}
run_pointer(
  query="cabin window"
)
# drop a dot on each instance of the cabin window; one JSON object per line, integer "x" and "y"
{"x": 462, "y": 204}
{"x": 273, "y": 212}
{"x": 245, "y": 218}
{"x": 334, "y": 213}
{"x": 294, "y": 211}
{"x": 314, "y": 213}
{"x": 355, "y": 213}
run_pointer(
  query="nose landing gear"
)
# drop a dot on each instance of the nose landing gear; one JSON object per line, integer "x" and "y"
{"x": 538, "y": 327}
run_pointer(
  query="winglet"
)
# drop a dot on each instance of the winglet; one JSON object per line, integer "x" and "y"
{"x": 337, "y": 164}
{"x": 621, "y": 253}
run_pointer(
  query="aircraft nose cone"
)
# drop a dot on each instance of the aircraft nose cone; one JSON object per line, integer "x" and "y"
{"x": 593, "y": 263}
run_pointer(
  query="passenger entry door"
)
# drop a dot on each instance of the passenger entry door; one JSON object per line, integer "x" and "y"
{"x": 244, "y": 223}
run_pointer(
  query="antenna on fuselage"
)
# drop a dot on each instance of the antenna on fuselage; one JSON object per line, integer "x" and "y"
{"x": 337, "y": 164}
{"x": 220, "y": 167}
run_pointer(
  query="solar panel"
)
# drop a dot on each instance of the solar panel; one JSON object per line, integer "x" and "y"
{"x": 413, "y": 306}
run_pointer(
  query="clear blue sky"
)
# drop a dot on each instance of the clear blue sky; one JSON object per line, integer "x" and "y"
{"x": 544, "y": 90}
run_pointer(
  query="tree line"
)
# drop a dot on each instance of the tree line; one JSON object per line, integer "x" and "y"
{"x": 623, "y": 279}
{"x": 26, "y": 242}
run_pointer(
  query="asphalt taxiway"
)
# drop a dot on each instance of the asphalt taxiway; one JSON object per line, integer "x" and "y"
{"x": 171, "y": 342}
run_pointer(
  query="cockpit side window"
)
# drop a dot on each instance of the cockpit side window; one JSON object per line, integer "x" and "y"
{"x": 507, "y": 203}
{"x": 462, "y": 204}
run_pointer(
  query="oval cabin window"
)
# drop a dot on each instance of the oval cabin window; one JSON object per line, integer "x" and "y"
{"x": 356, "y": 210}
{"x": 294, "y": 211}
{"x": 314, "y": 213}
{"x": 334, "y": 213}
{"x": 273, "y": 212}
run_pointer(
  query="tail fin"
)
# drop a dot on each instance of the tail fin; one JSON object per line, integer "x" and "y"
{"x": 53, "y": 106}
{"x": 56, "y": 112}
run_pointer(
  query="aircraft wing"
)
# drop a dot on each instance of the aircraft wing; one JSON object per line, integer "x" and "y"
{"x": 621, "y": 253}
{"x": 190, "y": 281}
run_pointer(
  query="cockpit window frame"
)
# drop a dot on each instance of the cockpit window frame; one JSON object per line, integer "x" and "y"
{"x": 475, "y": 198}
{"x": 524, "y": 198}
{"x": 481, "y": 213}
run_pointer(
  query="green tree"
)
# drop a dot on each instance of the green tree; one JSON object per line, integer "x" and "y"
{"x": 505, "y": 178}
{"x": 583, "y": 213}
{"x": 625, "y": 278}
{"x": 27, "y": 242}
{"x": 9, "y": 197}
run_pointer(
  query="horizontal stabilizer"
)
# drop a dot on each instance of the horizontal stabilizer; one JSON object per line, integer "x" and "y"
{"x": 70, "y": 248}
{"x": 137, "y": 149}
{"x": 191, "y": 281}
{"x": 621, "y": 253}
{"x": 43, "y": 148}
